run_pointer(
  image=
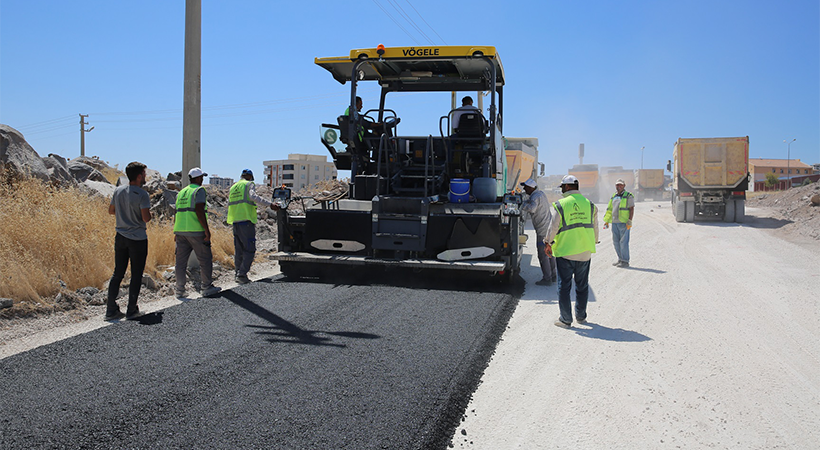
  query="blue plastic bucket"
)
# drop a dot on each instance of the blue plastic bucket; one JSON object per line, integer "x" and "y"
{"x": 459, "y": 190}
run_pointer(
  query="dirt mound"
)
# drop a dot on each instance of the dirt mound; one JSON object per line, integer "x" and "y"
{"x": 794, "y": 205}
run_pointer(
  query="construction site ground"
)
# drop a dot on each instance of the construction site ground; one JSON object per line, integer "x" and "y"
{"x": 711, "y": 339}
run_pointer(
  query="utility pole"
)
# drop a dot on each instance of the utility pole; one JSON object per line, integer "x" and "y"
{"x": 83, "y": 131}
{"x": 192, "y": 109}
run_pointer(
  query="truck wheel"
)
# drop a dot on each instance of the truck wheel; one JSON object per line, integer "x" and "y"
{"x": 740, "y": 210}
{"x": 729, "y": 211}
{"x": 690, "y": 211}
{"x": 680, "y": 210}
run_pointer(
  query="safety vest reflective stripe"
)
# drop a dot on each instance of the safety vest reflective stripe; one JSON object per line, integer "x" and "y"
{"x": 623, "y": 212}
{"x": 185, "y": 219}
{"x": 240, "y": 206}
{"x": 576, "y": 235}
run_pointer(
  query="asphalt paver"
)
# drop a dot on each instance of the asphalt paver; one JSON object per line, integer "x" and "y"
{"x": 276, "y": 364}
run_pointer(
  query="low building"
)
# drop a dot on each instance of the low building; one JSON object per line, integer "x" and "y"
{"x": 216, "y": 180}
{"x": 299, "y": 171}
{"x": 782, "y": 168}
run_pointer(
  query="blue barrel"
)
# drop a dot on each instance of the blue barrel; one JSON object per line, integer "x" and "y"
{"x": 459, "y": 190}
{"x": 484, "y": 190}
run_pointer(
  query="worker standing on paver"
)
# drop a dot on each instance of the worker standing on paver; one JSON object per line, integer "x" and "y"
{"x": 538, "y": 208}
{"x": 573, "y": 233}
{"x": 619, "y": 213}
{"x": 242, "y": 201}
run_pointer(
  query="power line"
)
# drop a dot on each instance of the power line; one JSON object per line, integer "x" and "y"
{"x": 428, "y": 25}
{"x": 394, "y": 21}
{"x": 398, "y": 8}
{"x": 47, "y": 123}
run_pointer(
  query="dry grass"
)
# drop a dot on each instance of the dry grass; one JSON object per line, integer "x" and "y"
{"x": 112, "y": 174}
{"x": 49, "y": 236}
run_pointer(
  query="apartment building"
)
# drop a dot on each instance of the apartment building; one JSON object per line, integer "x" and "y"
{"x": 299, "y": 171}
{"x": 216, "y": 180}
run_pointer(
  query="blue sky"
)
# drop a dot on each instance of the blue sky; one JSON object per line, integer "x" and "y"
{"x": 616, "y": 76}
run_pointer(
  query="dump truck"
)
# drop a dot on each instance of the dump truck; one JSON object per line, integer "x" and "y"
{"x": 438, "y": 201}
{"x": 522, "y": 161}
{"x": 648, "y": 184}
{"x": 710, "y": 177}
{"x": 607, "y": 178}
{"x": 588, "y": 177}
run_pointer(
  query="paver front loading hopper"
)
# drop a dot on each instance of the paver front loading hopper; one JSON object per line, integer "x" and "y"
{"x": 710, "y": 178}
{"x": 437, "y": 201}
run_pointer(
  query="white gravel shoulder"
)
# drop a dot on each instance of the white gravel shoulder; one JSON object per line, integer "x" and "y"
{"x": 710, "y": 340}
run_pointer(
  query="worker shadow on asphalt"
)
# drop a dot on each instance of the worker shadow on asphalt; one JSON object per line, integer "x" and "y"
{"x": 287, "y": 332}
{"x": 153, "y": 318}
{"x": 596, "y": 331}
{"x": 643, "y": 269}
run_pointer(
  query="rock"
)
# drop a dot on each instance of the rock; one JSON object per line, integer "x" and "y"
{"x": 176, "y": 176}
{"x": 153, "y": 181}
{"x": 149, "y": 282}
{"x": 93, "y": 161}
{"x": 18, "y": 156}
{"x": 815, "y": 200}
{"x": 57, "y": 170}
{"x": 96, "y": 187}
{"x": 59, "y": 159}
{"x": 88, "y": 291}
{"x": 6, "y": 303}
{"x": 82, "y": 171}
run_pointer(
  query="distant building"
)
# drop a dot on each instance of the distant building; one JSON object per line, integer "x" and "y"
{"x": 784, "y": 169}
{"x": 216, "y": 180}
{"x": 299, "y": 171}
{"x": 816, "y": 168}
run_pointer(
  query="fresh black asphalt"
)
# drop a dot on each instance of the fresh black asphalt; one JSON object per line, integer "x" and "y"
{"x": 277, "y": 364}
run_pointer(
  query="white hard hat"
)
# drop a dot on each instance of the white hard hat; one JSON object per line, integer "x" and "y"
{"x": 530, "y": 183}
{"x": 196, "y": 172}
{"x": 569, "y": 179}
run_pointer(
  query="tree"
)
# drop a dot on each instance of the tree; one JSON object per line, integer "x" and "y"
{"x": 771, "y": 180}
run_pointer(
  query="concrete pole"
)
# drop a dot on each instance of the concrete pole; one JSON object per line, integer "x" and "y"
{"x": 192, "y": 108}
{"x": 82, "y": 134}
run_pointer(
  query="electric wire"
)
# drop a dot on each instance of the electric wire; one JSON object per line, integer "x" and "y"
{"x": 400, "y": 10}
{"x": 396, "y": 22}
{"x": 428, "y": 25}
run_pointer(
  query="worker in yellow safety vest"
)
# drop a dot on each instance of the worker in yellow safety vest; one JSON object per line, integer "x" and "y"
{"x": 192, "y": 234}
{"x": 572, "y": 236}
{"x": 242, "y": 201}
{"x": 619, "y": 213}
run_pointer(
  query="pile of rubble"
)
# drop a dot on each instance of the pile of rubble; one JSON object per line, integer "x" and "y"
{"x": 800, "y": 206}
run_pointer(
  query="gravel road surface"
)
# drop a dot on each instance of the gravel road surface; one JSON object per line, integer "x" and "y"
{"x": 710, "y": 340}
{"x": 276, "y": 364}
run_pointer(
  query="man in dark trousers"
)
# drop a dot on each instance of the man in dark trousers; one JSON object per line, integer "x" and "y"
{"x": 131, "y": 207}
{"x": 242, "y": 201}
{"x": 573, "y": 234}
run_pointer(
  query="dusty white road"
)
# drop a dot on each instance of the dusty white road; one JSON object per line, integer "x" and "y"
{"x": 710, "y": 340}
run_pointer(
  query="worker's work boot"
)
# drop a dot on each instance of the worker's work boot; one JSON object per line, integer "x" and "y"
{"x": 544, "y": 282}
{"x": 560, "y": 323}
{"x": 617, "y": 263}
{"x": 243, "y": 279}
